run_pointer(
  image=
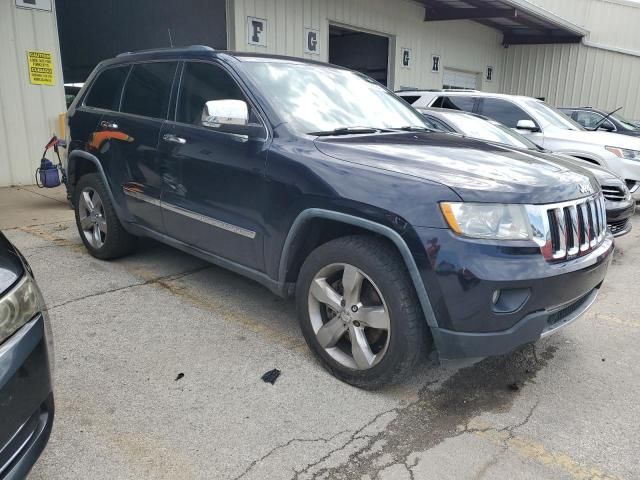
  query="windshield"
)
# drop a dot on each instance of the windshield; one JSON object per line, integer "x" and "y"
{"x": 476, "y": 127}
{"x": 548, "y": 116}
{"x": 626, "y": 124}
{"x": 315, "y": 98}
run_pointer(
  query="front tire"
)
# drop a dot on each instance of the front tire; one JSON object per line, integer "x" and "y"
{"x": 97, "y": 222}
{"x": 359, "y": 312}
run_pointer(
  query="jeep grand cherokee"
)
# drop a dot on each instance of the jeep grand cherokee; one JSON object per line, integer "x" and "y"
{"x": 318, "y": 182}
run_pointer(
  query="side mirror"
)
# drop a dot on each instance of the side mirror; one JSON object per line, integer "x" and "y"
{"x": 230, "y": 116}
{"x": 606, "y": 128}
{"x": 527, "y": 125}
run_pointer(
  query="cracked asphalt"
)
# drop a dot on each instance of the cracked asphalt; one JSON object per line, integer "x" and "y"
{"x": 565, "y": 408}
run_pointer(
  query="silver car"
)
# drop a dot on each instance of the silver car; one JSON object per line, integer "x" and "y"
{"x": 545, "y": 126}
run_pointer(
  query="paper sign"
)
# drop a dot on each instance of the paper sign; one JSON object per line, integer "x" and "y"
{"x": 40, "y": 68}
{"x": 34, "y": 4}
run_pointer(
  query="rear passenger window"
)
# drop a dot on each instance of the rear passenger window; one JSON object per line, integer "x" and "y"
{"x": 410, "y": 99}
{"x": 455, "y": 103}
{"x": 106, "y": 90}
{"x": 202, "y": 82}
{"x": 148, "y": 89}
{"x": 503, "y": 111}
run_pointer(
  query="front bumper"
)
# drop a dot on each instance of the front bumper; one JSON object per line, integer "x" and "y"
{"x": 26, "y": 399}
{"x": 619, "y": 216}
{"x": 531, "y": 328}
{"x": 462, "y": 276}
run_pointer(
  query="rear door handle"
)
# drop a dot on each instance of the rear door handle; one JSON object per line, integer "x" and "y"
{"x": 168, "y": 137}
{"x": 109, "y": 125}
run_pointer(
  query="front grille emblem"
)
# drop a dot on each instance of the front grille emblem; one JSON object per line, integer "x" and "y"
{"x": 586, "y": 188}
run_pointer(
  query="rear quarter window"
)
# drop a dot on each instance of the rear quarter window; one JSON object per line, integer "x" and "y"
{"x": 410, "y": 99}
{"x": 107, "y": 88}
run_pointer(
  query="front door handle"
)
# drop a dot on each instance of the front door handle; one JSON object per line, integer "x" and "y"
{"x": 168, "y": 137}
{"x": 109, "y": 125}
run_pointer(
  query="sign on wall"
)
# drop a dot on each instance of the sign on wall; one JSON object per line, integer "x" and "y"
{"x": 435, "y": 63}
{"x": 406, "y": 57}
{"x": 257, "y": 31}
{"x": 312, "y": 41}
{"x": 489, "y": 74}
{"x": 40, "y": 68}
{"x": 34, "y": 4}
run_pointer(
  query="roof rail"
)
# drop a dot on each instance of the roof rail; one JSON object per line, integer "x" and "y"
{"x": 191, "y": 48}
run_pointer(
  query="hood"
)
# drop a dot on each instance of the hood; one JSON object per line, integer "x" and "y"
{"x": 11, "y": 268}
{"x": 476, "y": 171}
{"x": 604, "y": 176}
{"x": 598, "y": 137}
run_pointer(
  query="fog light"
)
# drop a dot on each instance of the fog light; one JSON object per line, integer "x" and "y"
{"x": 509, "y": 300}
{"x": 495, "y": 297}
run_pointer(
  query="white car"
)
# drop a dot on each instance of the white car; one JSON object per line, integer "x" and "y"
{"x": 545, "y": 126}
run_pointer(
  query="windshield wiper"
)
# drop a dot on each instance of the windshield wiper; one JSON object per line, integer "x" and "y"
{"x": 604, "y": 119}
{"x": 348, "y": 131}
{"x": 414, "y": 128}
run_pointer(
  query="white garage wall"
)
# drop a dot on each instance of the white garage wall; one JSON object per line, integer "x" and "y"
{"x": 611, "y": 23}
{"x": 574, "y": 75}
{"x": 462, "y": 45}
{"x": 28, "y": 113}
{"x": 601, "y": 72}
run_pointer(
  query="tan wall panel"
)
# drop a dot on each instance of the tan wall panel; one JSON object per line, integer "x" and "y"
{"x": 574, "y": 75}
{"x": 462, "y": 45}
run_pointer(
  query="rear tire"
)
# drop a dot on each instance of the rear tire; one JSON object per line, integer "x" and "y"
{"x": 97, "y": 222}
{"x": 358, "y": 287}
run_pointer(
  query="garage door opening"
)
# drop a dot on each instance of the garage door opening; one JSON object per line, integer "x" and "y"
{"x": 458, "y": 80}
{"x": 360, "y": 51}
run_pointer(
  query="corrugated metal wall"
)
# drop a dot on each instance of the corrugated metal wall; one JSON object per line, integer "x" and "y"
{"x": 462, "y": 45}
{"x": 583, "y": 74}
{"x": 612, "y": 23}
{"x": 28, "y": 113}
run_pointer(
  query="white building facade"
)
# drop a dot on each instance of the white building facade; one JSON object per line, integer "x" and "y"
{"x": 29, "y": 105}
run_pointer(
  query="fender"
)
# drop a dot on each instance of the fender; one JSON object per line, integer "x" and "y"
{"x": 383, "y": 230}
{"x": 81, "y": 154}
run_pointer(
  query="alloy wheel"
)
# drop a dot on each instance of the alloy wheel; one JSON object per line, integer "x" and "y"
{"x": 92, "y": 218}
{"x": 349, "y": 316}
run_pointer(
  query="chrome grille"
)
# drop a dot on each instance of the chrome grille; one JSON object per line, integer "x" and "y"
{"x": 569, "y": 229}
{"x": 613, "y": 193}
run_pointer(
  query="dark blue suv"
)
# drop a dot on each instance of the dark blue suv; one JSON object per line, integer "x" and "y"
{"x": 318, "y": 182}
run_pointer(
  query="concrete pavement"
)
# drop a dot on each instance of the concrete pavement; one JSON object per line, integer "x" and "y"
{"x": 124, "y": 330}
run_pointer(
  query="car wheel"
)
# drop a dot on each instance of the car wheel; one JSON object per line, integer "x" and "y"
{"x": 359, "y": 311}
{"x": 99, "y": 227}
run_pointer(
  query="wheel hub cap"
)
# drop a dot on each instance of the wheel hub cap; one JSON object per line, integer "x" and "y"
{"x": 349, "y": 316}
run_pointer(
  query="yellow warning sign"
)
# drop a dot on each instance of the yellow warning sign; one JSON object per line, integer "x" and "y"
{"x": 40, "y": 68}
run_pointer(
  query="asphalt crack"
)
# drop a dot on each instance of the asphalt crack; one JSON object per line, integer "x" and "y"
{"x": 257, "y": 461}
{"x": 156, "y": 280}
{"x": 438, "y": 414}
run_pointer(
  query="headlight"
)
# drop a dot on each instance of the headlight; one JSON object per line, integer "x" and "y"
{"x": 625, "y": 153}
{"x": 18, "y": 306}
{"x": 493, "y": 221}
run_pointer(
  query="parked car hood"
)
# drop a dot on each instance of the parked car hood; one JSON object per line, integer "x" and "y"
{"x": 11, "y": 268}
{"x": 598, "y": 137}
{"x": 475, "y": 170}
{"x": 604, "y": 176}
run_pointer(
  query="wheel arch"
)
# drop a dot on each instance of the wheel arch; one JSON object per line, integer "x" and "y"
{"x": 80, "y": 163}
{"x": 306, "y": 217}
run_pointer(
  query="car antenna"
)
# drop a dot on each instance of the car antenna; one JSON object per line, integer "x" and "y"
{"x": 170, "y": 39}
{"x": 604, "y": 119}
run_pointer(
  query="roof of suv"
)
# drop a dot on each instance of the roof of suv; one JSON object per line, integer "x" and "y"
{"x": 202, "y": 51}
{"x": 468, "y": 93}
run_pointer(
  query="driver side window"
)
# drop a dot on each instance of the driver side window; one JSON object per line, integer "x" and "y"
{"x": 202, "y": 83}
